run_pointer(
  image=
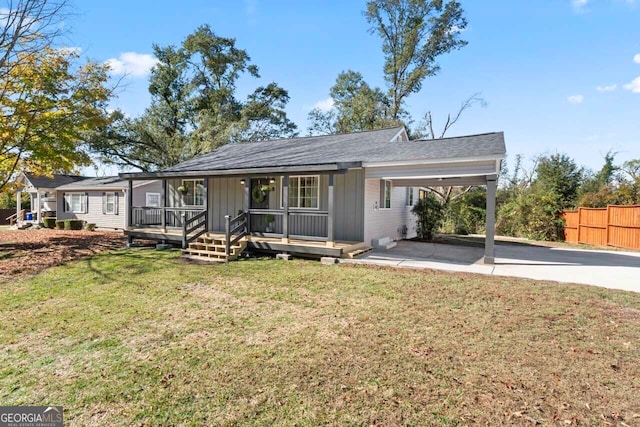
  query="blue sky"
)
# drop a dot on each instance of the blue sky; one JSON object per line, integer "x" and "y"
{"x": 557, "y": 75}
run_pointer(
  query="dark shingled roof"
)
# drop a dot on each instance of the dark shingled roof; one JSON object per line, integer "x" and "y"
{"x": 52, "y": 182}
{"x": 362, "y": 147}
{"x": 107, "y": 182}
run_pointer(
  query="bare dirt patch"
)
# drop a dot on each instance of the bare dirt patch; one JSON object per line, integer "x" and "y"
{"x": 30, "y": 251}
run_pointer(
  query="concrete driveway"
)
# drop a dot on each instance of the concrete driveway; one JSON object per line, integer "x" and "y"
{"x": 609, "y": 269}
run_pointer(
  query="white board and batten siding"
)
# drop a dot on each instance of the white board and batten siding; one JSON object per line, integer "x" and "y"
{"x": 380, "y": 222}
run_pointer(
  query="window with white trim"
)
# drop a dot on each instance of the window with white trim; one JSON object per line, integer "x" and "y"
{"x": 109, "y": 203}
{"x": 409, "y": 196}
{"x": 153, "y": 200}
{"x": 304, "y": 192}
{"x": 385, "y": 194}
{"x": 75, "y": 202}
{"x": 195, "y": 192}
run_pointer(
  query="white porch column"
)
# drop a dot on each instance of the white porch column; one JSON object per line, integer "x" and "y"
{"x": 18, "y": 204}
{"x": 489, "y": 242}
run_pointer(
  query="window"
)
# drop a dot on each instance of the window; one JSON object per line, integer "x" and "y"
{"x": 422, "y": 194}
{"x": 75, "y": 202}
{"x": 409, "y": 196}
{"x": 110, "y": 203}
{"x": 195, "y": 192}
{"x": 385, "y": 194}
{"x": 153, "y": 200}
{"x": 304, "y": 192}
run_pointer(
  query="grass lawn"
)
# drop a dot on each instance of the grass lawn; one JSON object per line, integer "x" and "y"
{"x": 140, "y": 337}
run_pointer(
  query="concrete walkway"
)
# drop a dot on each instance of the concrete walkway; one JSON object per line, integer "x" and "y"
{"x": 615, "y": 270}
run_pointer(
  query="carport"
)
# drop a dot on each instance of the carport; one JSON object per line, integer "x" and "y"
{"x": 463, "y": 165}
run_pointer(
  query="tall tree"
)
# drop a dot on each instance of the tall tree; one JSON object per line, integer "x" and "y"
{"x": 194, "y": 107}
{"x": 47, "y": 101}
{"x": 414, "y": 33}
{"x": 356, "y": 107}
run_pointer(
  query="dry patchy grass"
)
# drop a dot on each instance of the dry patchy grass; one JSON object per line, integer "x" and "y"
{"x": 141, "y": 338}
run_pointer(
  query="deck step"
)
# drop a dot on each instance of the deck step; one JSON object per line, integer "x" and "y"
{"x": 358, "y": 252}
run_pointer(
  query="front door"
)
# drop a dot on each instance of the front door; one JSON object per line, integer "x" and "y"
{"x": 259, "y": 193}
{"x": 260, "y": 189}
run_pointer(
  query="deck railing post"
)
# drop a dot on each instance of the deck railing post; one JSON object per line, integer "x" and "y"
{"x": 184, "y": 231}
{"x": 129, "y": 211}
{"x": 163, "y": 204}
{"x": 285, "y": 209}
{"x": 247, "y": 202}
{"x": 227, "y": 234}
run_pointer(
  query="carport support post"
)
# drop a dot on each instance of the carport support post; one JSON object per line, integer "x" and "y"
{"x": 489, "y": 248}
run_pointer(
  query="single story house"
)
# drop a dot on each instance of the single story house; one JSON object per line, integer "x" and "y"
{"x": 100, "y": 201}
{"x": 321, "y": 195}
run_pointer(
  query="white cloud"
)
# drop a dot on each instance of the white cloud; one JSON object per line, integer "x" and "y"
{"x": 324, "y": 104}
{"x": 132, "y": 63}
{"x": 634, "y": 86}
{"x": 607, "y": 88}
{"x": 575, "y": 99}
{"x": 579, "y": 4}
{"x": 636, "y": 58}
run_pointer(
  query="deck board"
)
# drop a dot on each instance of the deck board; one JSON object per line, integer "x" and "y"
{"x": 271, "y": 244}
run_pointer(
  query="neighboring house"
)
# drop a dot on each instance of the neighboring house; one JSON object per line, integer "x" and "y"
{"x": 100, "y": 201}
{"x": 321, "y": 195}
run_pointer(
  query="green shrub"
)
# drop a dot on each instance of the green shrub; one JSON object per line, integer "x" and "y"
{"x": 90, "y": 226}
{"x": 73, "y": 224}
{"x": 466, "y": 213}
{"x": 429, "y": 213}
{"x": 60, "y": 224}
{"x": 49, "y": 222}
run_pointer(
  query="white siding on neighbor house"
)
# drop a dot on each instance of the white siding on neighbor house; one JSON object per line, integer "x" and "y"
{"x": 94, "y": 212}
{"x": 380, "y": 222}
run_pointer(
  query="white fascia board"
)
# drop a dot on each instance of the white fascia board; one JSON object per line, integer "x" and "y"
{"x": 493, "y": 157}
{"x": 437, "y": 176}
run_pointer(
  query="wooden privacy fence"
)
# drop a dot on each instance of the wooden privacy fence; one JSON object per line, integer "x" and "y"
{"x": 613, "y": 226}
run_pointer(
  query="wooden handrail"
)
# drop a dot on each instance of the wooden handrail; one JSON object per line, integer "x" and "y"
{"x": 200, "y": 220}
{"x": 231, "y": 227}
{"x": 18, "y": 216}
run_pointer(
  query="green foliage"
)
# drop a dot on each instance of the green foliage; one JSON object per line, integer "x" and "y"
{"x": 466, "y": 214}
{"x": 48, "y": 104}
{"x": 559, "y": 174}
{"x": 534, "y": 213}
{"x": 49, "y": 222}
{"x": 194, "y": 107}
{"x": 60, "y": 224}
{"x": 429, "y": 213}
{"x": 72, "y": 224}
{"x": 90, "y": 226}
{"x": 357, "y": 107}
{"x": 414, "y": 33}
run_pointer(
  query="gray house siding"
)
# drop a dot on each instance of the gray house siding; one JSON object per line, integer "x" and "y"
{"x": 140, "y": 193}
{"x": 94, "y": 212}
{"x": 226, "y": 197}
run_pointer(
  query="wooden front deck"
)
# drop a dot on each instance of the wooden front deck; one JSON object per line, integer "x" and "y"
{"x": 311, "y": 248}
